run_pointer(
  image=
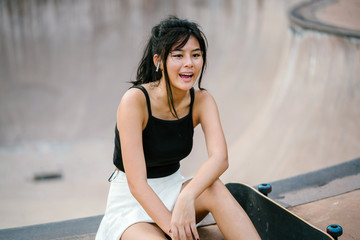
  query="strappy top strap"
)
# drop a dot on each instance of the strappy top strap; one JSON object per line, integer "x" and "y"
{"x": 192, "y": 95}
{"x": 146, "y": 96}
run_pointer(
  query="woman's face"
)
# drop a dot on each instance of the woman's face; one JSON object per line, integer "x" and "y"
{"x": 184, "y": 65}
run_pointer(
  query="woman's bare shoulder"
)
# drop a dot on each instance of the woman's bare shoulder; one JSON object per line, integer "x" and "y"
{"x": 203, "y": 97}
{"x": 204, "y": 106}
{"x": 133, "y": 104}
{"x": 133, "y": 97}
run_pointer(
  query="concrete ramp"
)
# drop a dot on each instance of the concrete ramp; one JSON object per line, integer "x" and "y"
{"x": 308, "y": 116}
{"x": 288, "y": 97}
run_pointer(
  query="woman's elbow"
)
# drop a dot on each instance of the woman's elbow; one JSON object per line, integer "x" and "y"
{"x": 226, "y": 162}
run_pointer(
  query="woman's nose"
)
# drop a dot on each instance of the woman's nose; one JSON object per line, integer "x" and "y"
{"x": 188, "y": 61}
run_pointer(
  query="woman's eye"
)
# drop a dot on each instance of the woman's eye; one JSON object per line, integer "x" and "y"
{"x": 176, "y": 55}
{"x": 196, "y": 55}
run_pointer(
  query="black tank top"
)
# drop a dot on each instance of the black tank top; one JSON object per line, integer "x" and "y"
{"x": 165, "y": 142}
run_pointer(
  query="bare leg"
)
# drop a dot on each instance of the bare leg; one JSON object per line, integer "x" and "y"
{"x": 141, "y": 231}
{"x": 231, "y": 219}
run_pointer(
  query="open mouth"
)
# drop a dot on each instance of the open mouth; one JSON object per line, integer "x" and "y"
{"x": 186, "y": 75}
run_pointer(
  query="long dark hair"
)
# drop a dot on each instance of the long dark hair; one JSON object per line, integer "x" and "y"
{"x": 164, "y": 36}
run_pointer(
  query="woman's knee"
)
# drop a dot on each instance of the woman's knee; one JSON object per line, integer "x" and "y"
{"x": 216, "y": 189}
{"x": 143, "y": 231}
{"x": 213, "y": 194}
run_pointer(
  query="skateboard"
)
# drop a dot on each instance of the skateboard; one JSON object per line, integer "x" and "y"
{"x": 271, "y": 220}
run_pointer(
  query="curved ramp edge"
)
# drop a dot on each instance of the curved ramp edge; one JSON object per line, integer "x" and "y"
{"x": 304, "y": 15}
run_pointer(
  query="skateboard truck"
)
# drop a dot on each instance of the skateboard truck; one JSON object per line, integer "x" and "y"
{"x": 334, "y": 230}
{"x": 265, "y": 188}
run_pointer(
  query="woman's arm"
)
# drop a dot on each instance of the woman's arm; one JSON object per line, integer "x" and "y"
{"x": 206, "y": 113}
{"x": 131, "y": 119}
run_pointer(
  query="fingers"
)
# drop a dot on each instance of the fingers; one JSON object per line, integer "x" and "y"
{"x": 182, "y": 234}
{"x": 173, "y": 233}
{"x": 195, "y": 232}
{"x": 186, "y": 232}
{"x": 177, "y": 233}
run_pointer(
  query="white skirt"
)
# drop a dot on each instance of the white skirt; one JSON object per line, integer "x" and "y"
{"x": 123, "y": 210}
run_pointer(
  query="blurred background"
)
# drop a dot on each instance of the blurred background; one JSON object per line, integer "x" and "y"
{"x": 288, "y": 97}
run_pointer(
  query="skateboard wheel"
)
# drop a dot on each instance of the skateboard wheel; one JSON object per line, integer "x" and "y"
{"x": 334, "y": 230}
{"x": 265, "y": 188}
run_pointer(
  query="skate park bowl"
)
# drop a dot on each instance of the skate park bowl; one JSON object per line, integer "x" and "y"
{"x": 284, "y": 73}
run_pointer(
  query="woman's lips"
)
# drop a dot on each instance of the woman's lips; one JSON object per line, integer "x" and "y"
{"x": 186, "y": 76}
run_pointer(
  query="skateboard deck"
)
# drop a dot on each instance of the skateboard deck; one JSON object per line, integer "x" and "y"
{"x": 271, "y": 220}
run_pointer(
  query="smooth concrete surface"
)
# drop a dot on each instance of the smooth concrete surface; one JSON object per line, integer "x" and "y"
{"x": 338, "y": 13}
{"x": 288, "y": 97}
{"x": 342, "y": 210}
{"x": 79, "y": 237}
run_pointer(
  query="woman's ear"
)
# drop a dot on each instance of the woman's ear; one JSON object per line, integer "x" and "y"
{"x": 157, "y": 62}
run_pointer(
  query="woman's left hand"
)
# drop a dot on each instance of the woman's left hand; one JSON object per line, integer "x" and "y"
{"x": 183, "y": 221}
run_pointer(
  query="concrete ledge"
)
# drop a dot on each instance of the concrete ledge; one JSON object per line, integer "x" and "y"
{"x": 288, "y": 192}
{"x": 83, "y": 228}
{"x": 303, "y": 15}
{"x": 312, "y": 186}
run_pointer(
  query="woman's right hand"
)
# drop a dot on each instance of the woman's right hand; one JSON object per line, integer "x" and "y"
{"x": 183, "y": 220}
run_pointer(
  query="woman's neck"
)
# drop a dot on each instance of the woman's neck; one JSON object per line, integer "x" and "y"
{"x": 178, "y": 95}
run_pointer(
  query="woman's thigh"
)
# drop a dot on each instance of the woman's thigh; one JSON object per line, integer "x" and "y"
{"x": 141, "y": 231}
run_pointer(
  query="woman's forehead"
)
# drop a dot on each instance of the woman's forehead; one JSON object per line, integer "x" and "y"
{"x": 191, "y": 45}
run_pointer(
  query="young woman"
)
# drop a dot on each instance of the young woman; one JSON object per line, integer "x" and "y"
{"x": 148, "y": 197}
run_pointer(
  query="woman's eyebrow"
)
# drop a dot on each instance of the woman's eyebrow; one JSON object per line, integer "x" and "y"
{"x": 181, "y": 50}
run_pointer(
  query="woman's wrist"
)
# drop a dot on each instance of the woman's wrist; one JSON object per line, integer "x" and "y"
{"x": 187, "y": 195}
